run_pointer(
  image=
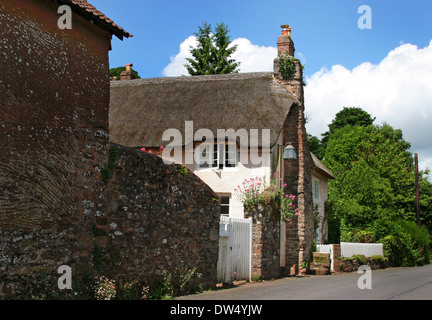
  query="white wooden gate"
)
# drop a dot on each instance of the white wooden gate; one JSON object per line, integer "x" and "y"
{"x": 235, "y": 250}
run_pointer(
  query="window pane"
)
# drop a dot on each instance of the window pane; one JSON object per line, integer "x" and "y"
{"x": 225, "y": 204}
{"x": 204, "y": 156}
{"x": 225, "y": 200}
{"x": 230, "y": 155}
{"x": 225, "y": 210}
{"x": 215, "y": 156}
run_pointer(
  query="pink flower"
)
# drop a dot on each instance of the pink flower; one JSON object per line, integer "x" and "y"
{"x": 143, "y": 149}
{"x": 161, "y": 148}
{"x": 150, "y": 152}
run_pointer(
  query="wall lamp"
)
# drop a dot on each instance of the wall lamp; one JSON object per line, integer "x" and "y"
{"x": 289, "y": 152}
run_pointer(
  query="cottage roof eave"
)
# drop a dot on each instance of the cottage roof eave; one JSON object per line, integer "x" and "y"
{"x": 87, "y": 10}
{"x": 321, "y": 168}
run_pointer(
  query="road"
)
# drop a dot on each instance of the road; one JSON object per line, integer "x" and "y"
{"x": 388, "y": 284}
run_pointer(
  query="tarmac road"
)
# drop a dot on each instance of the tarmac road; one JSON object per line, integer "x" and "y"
{"x": 388, "y": 284}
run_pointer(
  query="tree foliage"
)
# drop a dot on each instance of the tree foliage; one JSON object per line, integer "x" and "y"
{"x": 375, "y": 174}
{"x": 212, "y": 52}
{"x": 373, "y": 195}
{"x": 352, "y": 116}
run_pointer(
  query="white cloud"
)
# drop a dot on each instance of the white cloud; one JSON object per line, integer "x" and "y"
{"x": 176, "y": 66}
{"x": 253, "y": 58}
{"x": 398, "y": 91}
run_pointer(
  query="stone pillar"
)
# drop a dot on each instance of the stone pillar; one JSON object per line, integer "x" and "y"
{"x": 265, "y": 241}
{"x": 336, "y": 257}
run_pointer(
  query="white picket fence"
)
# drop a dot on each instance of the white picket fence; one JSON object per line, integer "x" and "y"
{"x": 349, "y": 249}
{"x": 235, "y": 250}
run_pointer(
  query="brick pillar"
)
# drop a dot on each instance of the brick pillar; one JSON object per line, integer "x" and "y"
{"x": 336, "y": 257}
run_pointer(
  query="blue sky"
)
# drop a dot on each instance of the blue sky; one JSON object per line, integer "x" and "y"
{"x": 324, "y": 31}
{"x": 386, "y": 70}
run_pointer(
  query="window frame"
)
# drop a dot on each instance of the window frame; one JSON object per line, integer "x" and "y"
{"x": 316, "y": 189}
{"x": 218, "y": 157}
{"x": 224, "y": 205}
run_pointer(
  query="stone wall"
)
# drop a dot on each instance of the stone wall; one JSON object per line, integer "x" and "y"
{"x": 265, "y": 241}
{"x": 55, "y": 208}
{"x": 161, "y": 217}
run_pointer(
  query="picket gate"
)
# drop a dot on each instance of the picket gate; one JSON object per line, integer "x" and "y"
{"x": 235, "y": 250}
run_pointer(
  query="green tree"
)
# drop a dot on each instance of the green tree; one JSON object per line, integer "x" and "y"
{"x": 374, "y": 175}
{"x": 315, "y": 146}
{"x": 352, "y": 116}
{"x": 212, "y": 53}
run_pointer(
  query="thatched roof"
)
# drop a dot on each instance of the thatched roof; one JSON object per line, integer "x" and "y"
{"x": 147, "y": 107}
{"x": 321, "y": 168}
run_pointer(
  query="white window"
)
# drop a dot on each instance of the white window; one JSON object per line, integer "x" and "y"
{"x": 316, "y": 192}
{"x": 216, "y": 156}
{"x": 225, "y": 201}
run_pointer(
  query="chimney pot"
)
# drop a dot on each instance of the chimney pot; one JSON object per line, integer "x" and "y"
{"x": 127, "y": 74}
{"x": 285, "y": 43}
{"x": 286, "y": 30}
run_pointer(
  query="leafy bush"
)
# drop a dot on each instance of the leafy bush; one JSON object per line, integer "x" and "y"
{"x": 405, "y": 243}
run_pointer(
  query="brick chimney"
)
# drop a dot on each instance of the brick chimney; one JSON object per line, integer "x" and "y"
{"x": 127, "y": 75}
{"x": 285, "y": 43}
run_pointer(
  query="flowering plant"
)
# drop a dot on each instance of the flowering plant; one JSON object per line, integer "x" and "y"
{"x": 105, "y": 289}
{"x": 143, "y": 149}
{"x": 255, "y": 190}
